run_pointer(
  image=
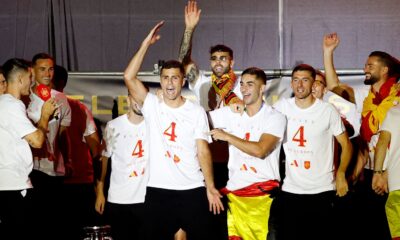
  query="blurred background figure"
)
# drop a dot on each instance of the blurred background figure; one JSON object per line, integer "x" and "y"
{"x": 79, "y": 194}
{"x": 3, "y": 82}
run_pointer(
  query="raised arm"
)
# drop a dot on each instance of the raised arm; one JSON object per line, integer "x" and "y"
{"x": 331, "y": 41}
{"x": 259, "y": 149}
{"x": 192, "y": 17}
{"x": 135, "y": 86}
{"x": 347, "y": 151}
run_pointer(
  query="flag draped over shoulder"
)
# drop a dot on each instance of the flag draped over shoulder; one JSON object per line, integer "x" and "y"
{"x": 376, "y": 106}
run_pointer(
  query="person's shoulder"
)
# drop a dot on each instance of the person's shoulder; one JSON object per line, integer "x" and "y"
{"x": 118, "y": 120}
{"x": 58, "y": 94}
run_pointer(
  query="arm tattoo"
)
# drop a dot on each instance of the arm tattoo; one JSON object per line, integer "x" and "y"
{"x": 186, "y": 47}
{"x": 192, "y": 75}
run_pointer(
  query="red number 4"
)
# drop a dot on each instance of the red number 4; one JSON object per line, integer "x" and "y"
{"x": 170, "y": 131}
{"x": 299, "y": 137}
{"x": 138, "y": 150}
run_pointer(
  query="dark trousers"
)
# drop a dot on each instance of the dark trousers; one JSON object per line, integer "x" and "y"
{"x": 78, "y": 201}
{"x": 369, "y": 210}
{"x": 48, "y": 206}
{"x": 307, "y": 216}
{"x": 169, "y": 210}
{"x": 15, "y": 214}
{"x": 126, "y": 220}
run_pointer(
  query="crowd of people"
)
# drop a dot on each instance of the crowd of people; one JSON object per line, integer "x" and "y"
{"x": 296, "y": 170}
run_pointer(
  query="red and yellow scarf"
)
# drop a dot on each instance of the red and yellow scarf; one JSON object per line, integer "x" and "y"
{"x": 376, "y": 106}
{"x": 224, "y": 85}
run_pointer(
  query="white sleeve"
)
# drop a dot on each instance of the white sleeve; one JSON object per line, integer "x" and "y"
{"x": 335, "y": 122}
{"x": 90, "y": 124}
{"x": 276, "y": 125}
{"x": 202, "y": 129}
{"x": 65, "y": 110}
{"x": 108, "y": 138}
{"x": 149, "y": 104}
{"x": 20, "y": 122}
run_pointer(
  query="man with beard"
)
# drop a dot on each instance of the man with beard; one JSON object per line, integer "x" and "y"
{"x": 310, "y": 181}
{"x": 222, "y": 88}
{"x": 381, "y": 73}
{"x": 127, "y": 144}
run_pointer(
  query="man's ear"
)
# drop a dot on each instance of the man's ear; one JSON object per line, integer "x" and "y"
{"x": 183, "y": 81}
{"x": 232, "y": 63}
{"x": 385, "y": 70}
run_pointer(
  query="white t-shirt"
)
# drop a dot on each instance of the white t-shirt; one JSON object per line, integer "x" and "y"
{"x": 173, "y": 133}
{"x": 245, "y": 169}
{"x": 309, "y": 146}
{"x": 392, "y": 125}
{"x": 16, "y": 161}
{"x": 202, "y": 87}
{"x": 50, "y": 160}
{"x": 127, "y": 145}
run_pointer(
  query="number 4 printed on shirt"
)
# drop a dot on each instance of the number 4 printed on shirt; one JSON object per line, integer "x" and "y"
{"x": 299, "y": 137}
{"x": 170, "y": 131}
{"x": 138, "y": 150}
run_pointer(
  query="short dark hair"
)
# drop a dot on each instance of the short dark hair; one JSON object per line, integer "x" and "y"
{"x": 259, "y": 73}
{"x": 389, "y": 61}
{"x": 221, "y": 48}
{"x": 173, "y": 64}
{"x": 305, "y": 67}
{"x": 60, "y": 78}
{"x": 13, "y": 65}
{"x": 1, "y": 70}
{"x": 42, "y": 56}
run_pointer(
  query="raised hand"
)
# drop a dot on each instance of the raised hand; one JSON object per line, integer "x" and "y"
{"x": 49, "y": 107}
{"x": 153, "y": 35}
{"x": 192, "y": 14}
{"x": 331, "y": 41}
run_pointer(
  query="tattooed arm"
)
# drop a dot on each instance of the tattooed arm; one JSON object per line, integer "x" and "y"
{"x": 192, "y": 17}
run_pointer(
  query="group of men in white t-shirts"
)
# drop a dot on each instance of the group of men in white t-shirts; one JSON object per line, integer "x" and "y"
{"x": 171, "y": 173}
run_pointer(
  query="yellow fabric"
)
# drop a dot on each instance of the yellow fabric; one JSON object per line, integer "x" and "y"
{"x": 223, "y": 86}
{"x": 378, "y": 112}
{"x": 393, "y": 213}
{"x": 248, "y": 216}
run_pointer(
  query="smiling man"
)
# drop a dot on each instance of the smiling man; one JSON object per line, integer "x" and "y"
{"x": 253, "y": 157}
{"x": 51, "y": 162}
{"x": 181, "y": 185}
{"x": 310, "y": 181}
{"x": 373, "y": 101}
{"x": 222, "y": 88}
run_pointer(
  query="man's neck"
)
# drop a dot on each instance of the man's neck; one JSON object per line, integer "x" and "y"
{"x": 134, "y": 118}
{"x": 253, "y": 109}
{"x": 306, "y": 102}
{"x": 14, "y": 93}
{"x": 175, "y": 103}
{"x": 377, "y": 86}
